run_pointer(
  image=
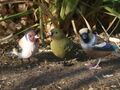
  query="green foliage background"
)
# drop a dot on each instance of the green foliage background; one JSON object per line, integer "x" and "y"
{"x": 60, "y": 13}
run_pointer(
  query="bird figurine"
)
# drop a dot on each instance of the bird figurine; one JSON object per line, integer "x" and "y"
{"x": 94, "y": 48}
{"x": 28, "y": 43}
{"x": 60, "y": 45}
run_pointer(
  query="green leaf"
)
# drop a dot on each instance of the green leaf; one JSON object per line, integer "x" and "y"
{"x": 63, "y": 8}
{"x": 111, "y": 1}
{"x": 16, "y": 15}
{"x": 112, "y": 12}
{"x": 28, "y": 28}
{"x": 71, "y": 5}
{"x": 68, "y": 6}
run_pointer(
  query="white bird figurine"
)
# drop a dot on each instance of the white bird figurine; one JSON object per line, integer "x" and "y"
{"x": 93, "y": 48}
{"x": 28, "y": 43}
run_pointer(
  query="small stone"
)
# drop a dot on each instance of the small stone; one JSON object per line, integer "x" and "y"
{"x": 33, "y": 88}
{"x": 113, "y": 86}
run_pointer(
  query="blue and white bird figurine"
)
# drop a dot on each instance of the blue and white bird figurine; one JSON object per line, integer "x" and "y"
{"x": 28, "y": 43}
{"x": 93, "y": 48}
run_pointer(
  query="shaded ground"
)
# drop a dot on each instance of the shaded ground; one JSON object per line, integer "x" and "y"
{"x": 46, "y": 72}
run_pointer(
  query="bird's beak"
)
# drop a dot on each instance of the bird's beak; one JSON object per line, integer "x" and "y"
{"x": 50, "y": 34}
{"x": 36, "y": 36}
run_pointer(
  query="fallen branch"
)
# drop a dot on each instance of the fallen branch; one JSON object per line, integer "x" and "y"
{"x": 6, "y": 38}
{"x": 104, "y": 29}
{"x": 111, "y": 23}
{"x": 44, "y": 50}
{"x": 88, "y": 25}
{"x": 115, "y": 27}
{"x": 74, "y": 27}
{"x": 108, "y": 36}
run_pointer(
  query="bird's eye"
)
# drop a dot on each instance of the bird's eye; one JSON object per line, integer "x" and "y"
{"x": 56, "y": 32}
{"x": 84, "y": 36}
{"x": 30, "y": 35}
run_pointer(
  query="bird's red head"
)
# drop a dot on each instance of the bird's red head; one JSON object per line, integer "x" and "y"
{"x": 32, "y": 36}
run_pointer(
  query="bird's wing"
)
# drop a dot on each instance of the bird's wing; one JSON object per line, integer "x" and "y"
{"x": 104, "y": 46}
{"x": 22, "y": 42}
{"x": 68, "y": 46}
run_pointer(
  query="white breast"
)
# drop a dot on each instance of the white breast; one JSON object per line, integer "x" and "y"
{"x": 27, "y": 48}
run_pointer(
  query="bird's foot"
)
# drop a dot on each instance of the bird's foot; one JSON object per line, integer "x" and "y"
{"x": 95, "y": 67}
{"x": 92, "y": 67}
{"x": 14, "y": 51}
{"x": 66, "y": 63}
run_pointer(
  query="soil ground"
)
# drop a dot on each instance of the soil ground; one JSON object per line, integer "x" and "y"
{"x": 46, "y": 72}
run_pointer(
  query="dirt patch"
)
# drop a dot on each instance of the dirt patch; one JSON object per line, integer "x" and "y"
{"x": 46, "y": 72}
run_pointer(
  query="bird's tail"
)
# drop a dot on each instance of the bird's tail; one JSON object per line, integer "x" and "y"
{"x": 15, "y": 52}
{"x": 12, "y": 53}
{"x": 117, "y": 53}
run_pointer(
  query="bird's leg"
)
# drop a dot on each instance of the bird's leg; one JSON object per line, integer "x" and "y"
{"x": 97, "y": 65}
{"x": 66, "y": 63}
{"x": 88, "y": 62}
{"x": 29, "y": 60}
{"x": 22, "y": 62}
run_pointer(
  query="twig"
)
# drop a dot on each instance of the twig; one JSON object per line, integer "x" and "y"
{"x": 97, "y": 78}
{"x": 111, "y": 23}
{"x": 118, "y": 82}
{"x": 115, "y": 27}
{"x": 6, "y": 38}
{"x": 48, "y": 13}
{"x": 104, "y": 29}
{"x": 27, "y": 29}
{"x": 108, "y": 36}
{"x": 74, "y": 27}
{"x": 60, "y": 88}
{"x": 44, "y": 50}
{"x": 11, "y": 2}
{"x": 88, "y": 25}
